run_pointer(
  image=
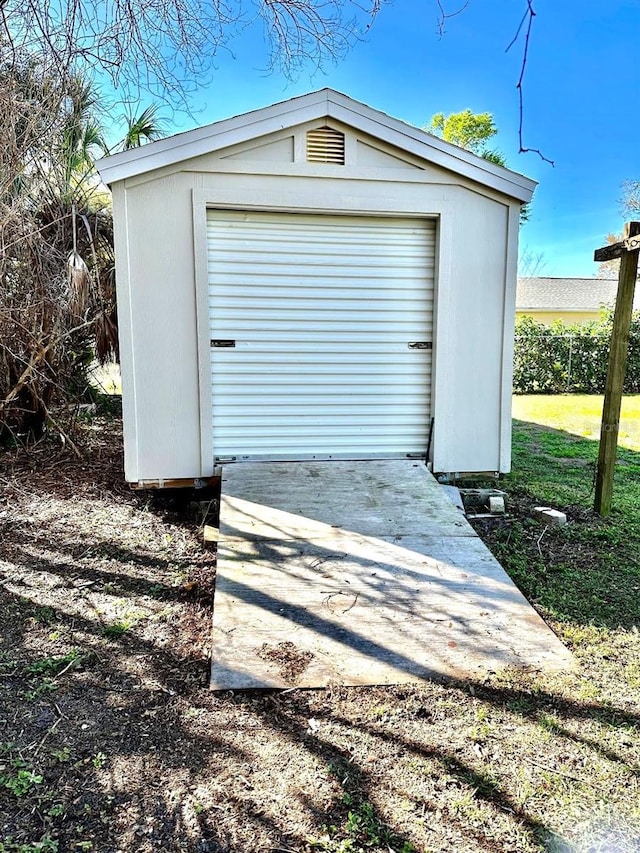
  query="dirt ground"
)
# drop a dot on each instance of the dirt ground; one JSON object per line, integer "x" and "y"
{"x": 110, "y": 740}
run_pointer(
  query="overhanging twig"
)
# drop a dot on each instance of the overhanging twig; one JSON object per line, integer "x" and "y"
{"x": 527, "y": 19}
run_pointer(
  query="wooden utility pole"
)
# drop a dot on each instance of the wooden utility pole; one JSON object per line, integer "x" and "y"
{"x": 627, "y": 250}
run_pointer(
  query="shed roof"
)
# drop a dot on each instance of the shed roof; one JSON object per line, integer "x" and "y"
{"x": 323, "y": 104}
{"x": 567, "y": 294}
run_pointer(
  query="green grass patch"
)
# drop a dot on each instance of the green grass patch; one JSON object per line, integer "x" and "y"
{"x": 115, "y": 630}
{"x": 579, "y": 414}
{"x": 45, "y": 845}
{"x": 588, "y": 572}
{"x": 53, "y": 665}
{"x": 16, "y": 775}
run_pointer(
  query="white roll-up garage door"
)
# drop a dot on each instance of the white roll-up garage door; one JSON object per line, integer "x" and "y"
{"x": 321, "y": 333}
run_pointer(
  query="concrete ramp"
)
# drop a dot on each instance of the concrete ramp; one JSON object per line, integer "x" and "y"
{"x": 360, "y": 573}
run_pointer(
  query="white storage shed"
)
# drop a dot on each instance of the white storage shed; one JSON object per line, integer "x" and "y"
{"x": 313, "y": 280}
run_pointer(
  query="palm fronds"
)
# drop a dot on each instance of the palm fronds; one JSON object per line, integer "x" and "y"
{"x": 143, "y": 128}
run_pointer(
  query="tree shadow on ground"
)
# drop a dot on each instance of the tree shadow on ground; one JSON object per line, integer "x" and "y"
{"x": 136, "y": 754}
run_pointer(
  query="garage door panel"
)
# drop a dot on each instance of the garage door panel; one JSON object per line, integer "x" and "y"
{"x": 359, "y": 415}
{"x": 368, "y": 405}
{"x": 337, "y": 273}
{"x": 286, "y": 385}
{"x": 345, "y": 370}
{"x": 321, "y": 310}
{"x": 272, "y": 255}
{"x": 260, "y": 351}
{"x": 371, "y": 314}
{"x": 317, "y": 362}
{"x": 271, "y": 339}
{"x": 330, "y": 449}
{"x": 314, "y": 235}
{"x": 230, "y": 297}
{"x": 331, "y": 331}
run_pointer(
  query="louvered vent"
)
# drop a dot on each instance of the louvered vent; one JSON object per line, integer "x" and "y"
{"x": 325, "y": 145}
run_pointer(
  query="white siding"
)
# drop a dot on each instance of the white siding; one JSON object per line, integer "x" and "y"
{"x": 470, "y": 326}
{"x": 322, "y": 310}
{"x": 160, "y": 373}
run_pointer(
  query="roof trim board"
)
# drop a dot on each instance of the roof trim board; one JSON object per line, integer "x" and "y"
{"x": 323, "y": 104}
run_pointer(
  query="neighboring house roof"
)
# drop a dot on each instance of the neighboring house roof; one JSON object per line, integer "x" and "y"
{"x": 323, "y": 104}
{"x": 568, "y": 294}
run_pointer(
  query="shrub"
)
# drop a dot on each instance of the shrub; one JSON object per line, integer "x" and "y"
{"x": 565, "y": 358}
{"x": 57, "y": 300}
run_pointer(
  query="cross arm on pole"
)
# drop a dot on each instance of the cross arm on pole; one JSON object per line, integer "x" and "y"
{"x": 630, "y": 243}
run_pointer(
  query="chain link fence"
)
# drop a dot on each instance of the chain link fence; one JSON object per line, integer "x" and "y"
{"x": 552, "y": 361}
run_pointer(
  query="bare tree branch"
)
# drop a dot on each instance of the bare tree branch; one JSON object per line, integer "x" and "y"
{"x": 631, "y": 199}
{"x": 527, "y": 19}
{"x": 168, "y": 47}
{"x": 526, "y": 25}
{"x": 444, "y": 16}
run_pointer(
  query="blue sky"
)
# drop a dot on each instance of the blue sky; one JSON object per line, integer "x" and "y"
{"x": 580, "y": 89}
